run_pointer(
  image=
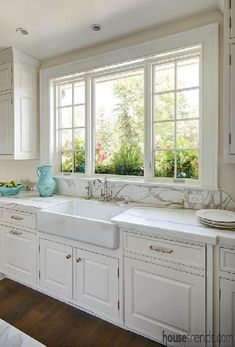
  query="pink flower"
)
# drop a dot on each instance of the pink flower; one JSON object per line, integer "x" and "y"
{"x": 98, "y": 146}
{"x": 168, "y": 145}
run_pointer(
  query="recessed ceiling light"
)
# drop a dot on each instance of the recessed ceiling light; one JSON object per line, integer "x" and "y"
{"x": 95, "y": 27}
{"x": 22, "y": 31}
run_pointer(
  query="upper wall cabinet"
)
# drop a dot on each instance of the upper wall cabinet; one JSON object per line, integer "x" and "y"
{"x": 19, "y": 121}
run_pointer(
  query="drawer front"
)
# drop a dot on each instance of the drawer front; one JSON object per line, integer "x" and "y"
{"x": 187, "y": 254}
{"x": 19, "y": 218}
{"x": 227, "y": 260}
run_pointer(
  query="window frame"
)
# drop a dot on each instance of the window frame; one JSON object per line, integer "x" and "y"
{"x": 206, "y": 36}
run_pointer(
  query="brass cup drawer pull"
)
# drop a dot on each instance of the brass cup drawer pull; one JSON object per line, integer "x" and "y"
{"x": 161, "y": 249}
{"x": 17, "y": 217}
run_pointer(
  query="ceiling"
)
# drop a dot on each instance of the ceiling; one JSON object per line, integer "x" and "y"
{"x": 59, "y": 26}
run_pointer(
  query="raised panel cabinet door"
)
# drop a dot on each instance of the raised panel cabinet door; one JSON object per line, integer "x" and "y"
{"x": 56, "y": 268}
{"x": 1, "y": 245}
{"x": 6, "y": 125}
{"x": 232, "y": 93}
{"x": 227, "y": 313}
{"x": 5, "y": 77}
{"x": 96, "y": 283}
{"x": 19, "y": 257}
{"x": 163, "y": 303}
{"x": 26, "y": 120}
{"x": 232, "y": 29}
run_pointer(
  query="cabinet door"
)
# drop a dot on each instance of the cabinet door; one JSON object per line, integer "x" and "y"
{"x": 25, "y": 112}
{"x": 96, "y": 284}
{"x": 161, "y": 302}
{"x": 232, "y": 28}
{"x": 5, "y": 77}
{"x": 19, "y": 254}
{"x": 56, "y": 268}
{"x": 1, "y": 248}
{"x": 6, "y": 125}
{"x": 227, "y": 312}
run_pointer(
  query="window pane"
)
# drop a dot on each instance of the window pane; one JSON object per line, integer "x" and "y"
{"x": 164, "y": 164}
{"x": 164, "y": 77}
{"x": 164, "y": 106}
{"x": 66, "y": 162}
{"x": 65, "y": 117}
{"x": 119, "y": 102}
{"x": 79, "y": 161}
{"x": 188, "y": 164}
{"x": 65, "y": 94}
{"x": 79, "y": 116}
{"x": 188, "y": 104}
{"x": 188, "y": 73}
{"x": 79, "y": 139}
{"x": 188, "y": 134}
{"x": 164, "y": 135}
{"x": 66, "y": 140}
{"x": 79, "y": 92}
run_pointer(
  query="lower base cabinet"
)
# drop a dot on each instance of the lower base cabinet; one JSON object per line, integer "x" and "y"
{"x": 162, "y": 302}
{"x": 227, "y": 313}
{"x": 96, "y": 282}
{"x": 18, "y": 254}
{"x": 56, "y": 272}
{"x": 90, "y": 279}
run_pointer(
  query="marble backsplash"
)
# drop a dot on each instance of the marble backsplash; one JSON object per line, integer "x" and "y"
{"x": 149, "y": 194}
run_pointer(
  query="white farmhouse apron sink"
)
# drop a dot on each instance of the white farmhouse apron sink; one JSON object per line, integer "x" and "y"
{"x": 81, "y": 220}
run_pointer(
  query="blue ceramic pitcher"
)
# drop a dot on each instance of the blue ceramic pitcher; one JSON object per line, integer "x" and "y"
{"x": 46, "y": 184}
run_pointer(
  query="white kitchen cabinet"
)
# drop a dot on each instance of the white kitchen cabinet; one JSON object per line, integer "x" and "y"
{"x": 6, "y": 124}
{"x": 162, "y": 300}
{"x": 227, "y": 312}
{"x": 97, "y": 282}
{"x": 6, "y": 73}
{"x": 231, "y": 6}
{"x": 56, "y": 273}
{"x": 19, "y": 254}
{"x": 19, "y": 84}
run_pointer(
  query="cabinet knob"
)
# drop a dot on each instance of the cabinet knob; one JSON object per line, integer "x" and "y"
{"x": 68, "y": 256}
{"x": 78, "y": 259}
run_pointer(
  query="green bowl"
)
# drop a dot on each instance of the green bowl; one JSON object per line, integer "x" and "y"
{"x": 5, "y": 191}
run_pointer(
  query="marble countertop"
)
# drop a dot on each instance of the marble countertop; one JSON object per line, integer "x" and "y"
{"x": 172, "y": 223}
{"x": 155, "y": 221}
{"x": 10, "y": 336}
{"x": 31, "y": 202}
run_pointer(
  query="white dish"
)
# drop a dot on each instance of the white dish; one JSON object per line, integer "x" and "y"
{"x": 229, "y": 225}
{"x": 220, "y": 216}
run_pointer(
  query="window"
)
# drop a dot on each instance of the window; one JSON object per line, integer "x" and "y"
{"x": 70, "y": 110}
{"x": 176, "y": 120}
{"x": 119, "y": 123}
{"x": 109, "y": 127}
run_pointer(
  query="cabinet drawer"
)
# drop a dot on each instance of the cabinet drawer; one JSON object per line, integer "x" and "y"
{"x": 227, "y": 259}
{"x": 186, "y": 254}
{"x": 19, "y": 218}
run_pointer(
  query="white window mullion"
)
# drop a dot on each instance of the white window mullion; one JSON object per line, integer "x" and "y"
{"x": 148, "y": 123}
{"x": 88, "y": 127}
{"x": 175, "y": 127}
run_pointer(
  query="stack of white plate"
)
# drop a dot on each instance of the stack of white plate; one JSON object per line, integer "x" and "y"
{"x": 217, "y": 218}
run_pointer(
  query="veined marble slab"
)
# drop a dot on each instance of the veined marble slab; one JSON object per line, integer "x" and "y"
{"x": 12, "y": 337}
{"x": 171, "y": 223}
{"x": 31, "y": 202}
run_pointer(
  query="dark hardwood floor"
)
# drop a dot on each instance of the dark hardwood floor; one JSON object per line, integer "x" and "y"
{"x": 56, "y": 324}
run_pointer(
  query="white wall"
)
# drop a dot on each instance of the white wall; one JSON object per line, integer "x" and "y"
{"x": 18, "y": 170}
